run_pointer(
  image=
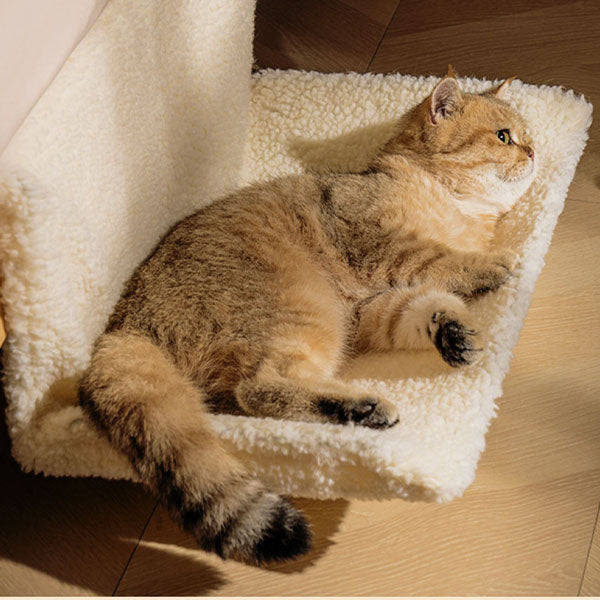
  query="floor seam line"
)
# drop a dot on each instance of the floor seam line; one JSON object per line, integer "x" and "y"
{"x": 387, "y": 27}
{"x": 587, "y": 557}
{"x": 134, "y": 549}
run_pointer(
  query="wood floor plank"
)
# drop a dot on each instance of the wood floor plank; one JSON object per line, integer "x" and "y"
{"x": 498, "y": 41}
{"x": 590, "y": 585}
{"x": 338, "y": 35}
{"x": 415, "y": 16}
{"x": 63, "y": 536}
{"x": 521, "y": 541}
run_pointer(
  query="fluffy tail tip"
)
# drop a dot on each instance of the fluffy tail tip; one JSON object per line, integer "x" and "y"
{"x": 286, "y": 537}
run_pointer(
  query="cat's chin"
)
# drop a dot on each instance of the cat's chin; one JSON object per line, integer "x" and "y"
{"x": 501, "y": 192}
{"x": 522, "y": 174}
{"x": 520, "y": 182}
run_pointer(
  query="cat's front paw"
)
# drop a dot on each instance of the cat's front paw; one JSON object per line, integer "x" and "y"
{"x": 489, "y": 274}
{"x": 453, "y": 339}
{"x": 367, "y": 411}
{"x": 507, "y": 259}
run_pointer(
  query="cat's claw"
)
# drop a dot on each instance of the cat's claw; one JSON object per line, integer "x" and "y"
{"x": 453, "y": 340}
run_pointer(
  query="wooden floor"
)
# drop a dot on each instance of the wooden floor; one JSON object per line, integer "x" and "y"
{"x": 529, "y": 524}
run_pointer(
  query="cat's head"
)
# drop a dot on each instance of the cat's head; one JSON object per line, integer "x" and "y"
{"x": 476, "y": 139}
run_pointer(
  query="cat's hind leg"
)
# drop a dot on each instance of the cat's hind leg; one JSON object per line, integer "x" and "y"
{"x": 153, "y": 414}
{"x": 318, "y": 400}
{"x": 297, "y": 377}
{"x": 417, "y": 318}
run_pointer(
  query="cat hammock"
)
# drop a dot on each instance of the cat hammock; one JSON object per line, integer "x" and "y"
{"x": 153, "y": 116}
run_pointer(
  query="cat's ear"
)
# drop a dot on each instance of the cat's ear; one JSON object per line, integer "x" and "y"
{"x": 445, "y": 99}
{"x": 501, "y": 89}
{"x": 451, "y": 72}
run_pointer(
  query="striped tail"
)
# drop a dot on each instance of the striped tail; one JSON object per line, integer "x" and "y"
{"x": 138, "y": 398}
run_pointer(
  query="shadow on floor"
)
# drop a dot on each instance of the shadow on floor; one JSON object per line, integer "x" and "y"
{"x": 190, "y": 571}
{"x": 67, "y": 536}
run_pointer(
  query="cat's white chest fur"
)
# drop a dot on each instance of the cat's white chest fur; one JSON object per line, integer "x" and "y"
{"x": 492, "y": 195}
{"x": 459, "y": 215}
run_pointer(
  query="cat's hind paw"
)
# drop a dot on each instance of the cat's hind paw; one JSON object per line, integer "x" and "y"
{"x": 366, "y": 412}
{"x": 454, "y": 341}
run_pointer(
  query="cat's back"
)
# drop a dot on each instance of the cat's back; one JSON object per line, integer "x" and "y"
{"x": 222, "y": 254}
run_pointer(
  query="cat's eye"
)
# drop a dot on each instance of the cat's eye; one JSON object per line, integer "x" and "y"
{"x": 504, "y": 136}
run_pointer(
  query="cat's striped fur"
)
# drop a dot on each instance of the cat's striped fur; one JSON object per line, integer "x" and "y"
{"x": 252, "y": 303}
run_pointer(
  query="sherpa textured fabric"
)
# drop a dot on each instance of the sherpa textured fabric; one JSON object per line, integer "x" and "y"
{"x": 129, "y": 139}
{"x": 146, "y": 121}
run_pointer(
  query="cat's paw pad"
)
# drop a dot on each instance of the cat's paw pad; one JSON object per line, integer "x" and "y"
{"x": 372, "y": 412}
{"x": 367, "y": 412}
{"x": 453, "y": 339}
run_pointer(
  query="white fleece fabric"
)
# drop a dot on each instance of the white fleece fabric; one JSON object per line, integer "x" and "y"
{"x": 152, "y": 117}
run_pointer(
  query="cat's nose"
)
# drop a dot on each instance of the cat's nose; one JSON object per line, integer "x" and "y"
{"x": 530, "y": 153}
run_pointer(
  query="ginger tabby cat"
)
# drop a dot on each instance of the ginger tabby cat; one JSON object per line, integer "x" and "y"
{"x": 254, "y": 302}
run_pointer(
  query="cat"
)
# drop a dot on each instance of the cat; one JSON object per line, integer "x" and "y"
{"x": 254, "y": 302}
